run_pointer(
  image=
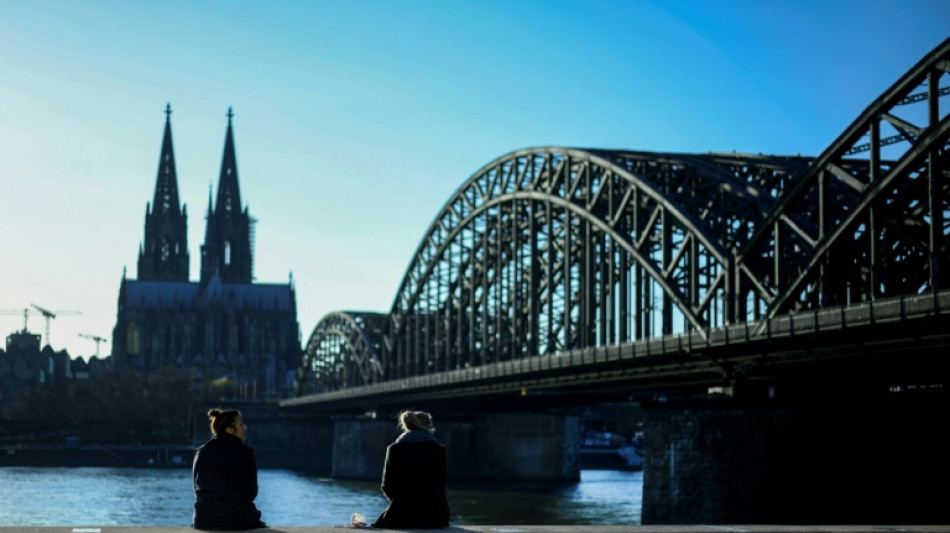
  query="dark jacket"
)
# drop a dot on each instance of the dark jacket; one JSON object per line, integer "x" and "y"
{"x": 225, "y": 481}
{"x": 414, "y": 483}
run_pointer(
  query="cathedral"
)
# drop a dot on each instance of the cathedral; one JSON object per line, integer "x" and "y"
{"x": 223, "y": 325}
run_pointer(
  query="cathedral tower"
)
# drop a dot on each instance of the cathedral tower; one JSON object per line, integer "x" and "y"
{"x": 227, "y": 251}
{"x": 223, "y": 325}
{"x": 164, "y": 254}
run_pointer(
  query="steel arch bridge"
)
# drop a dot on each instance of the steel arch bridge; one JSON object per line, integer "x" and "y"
{"x": 548, "y": 250}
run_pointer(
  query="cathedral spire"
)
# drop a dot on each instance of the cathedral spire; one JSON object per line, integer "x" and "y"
{"x": 164, "y": 255}
{"x": 229, "y": 192}
{"x": 166, "y": 184}
{"x": 227, "y": 247}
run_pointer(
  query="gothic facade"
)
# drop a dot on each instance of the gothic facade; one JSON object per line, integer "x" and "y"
{"x": 222, "y": 326}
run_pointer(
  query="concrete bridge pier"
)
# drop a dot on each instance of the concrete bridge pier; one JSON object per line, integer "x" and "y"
{"x": 723, "y": 461}
{"x": 493, "y": 447}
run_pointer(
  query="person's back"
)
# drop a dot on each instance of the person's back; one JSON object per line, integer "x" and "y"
{"x": 414, "y": 478}
{"x": 225, "y": 480}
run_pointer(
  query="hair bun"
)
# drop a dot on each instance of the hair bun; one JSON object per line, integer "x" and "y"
{"x": 411, "y": 420}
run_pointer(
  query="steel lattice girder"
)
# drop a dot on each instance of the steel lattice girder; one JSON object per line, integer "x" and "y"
{"x": 551, "y": 249}
{"x": 833, "y": 238}
{"x": 343, "y": 351}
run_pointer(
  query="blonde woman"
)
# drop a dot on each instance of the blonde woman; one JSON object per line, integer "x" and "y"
{"x": 414, "y": 477}
{"x": 225, "y": 476}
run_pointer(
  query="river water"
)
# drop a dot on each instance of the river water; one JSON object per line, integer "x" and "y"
{"x": 163, "y": 497}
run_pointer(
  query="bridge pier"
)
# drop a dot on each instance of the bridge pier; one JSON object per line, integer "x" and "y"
{"x": 497, "y": 447}
{"x": 724, "y": 461}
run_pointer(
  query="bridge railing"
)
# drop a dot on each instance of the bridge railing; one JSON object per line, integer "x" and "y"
{"x": 687, "y": 359}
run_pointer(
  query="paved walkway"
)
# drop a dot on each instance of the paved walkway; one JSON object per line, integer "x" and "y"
{"x": 515, "y": 529}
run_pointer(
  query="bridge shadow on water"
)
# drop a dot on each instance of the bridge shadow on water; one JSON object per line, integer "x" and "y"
{"x": 601, "y": 497}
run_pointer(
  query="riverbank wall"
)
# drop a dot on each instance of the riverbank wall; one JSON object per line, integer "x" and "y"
{"x": 520, "y": 529}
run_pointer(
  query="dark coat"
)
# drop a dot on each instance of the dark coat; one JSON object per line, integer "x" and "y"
{"x": 225, "y": 481}
{"x": 414, "y": 483}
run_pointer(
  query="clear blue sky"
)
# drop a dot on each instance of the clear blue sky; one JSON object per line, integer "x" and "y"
{"x": 356, "y": 120}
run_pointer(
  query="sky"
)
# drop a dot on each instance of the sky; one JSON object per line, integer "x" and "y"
{"x": 356, "y": 120}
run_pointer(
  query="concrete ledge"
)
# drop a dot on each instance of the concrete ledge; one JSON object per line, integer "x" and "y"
{"x": 520, "y": 529}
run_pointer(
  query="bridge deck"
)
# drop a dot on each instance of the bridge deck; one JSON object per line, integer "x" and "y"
{"x": 887, "y": 328}
{"x": 525, "y": 529}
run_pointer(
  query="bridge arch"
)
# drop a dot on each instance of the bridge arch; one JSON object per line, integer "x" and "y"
{"x": 553, "y": 249}
{"x": 876, "y": 197}
{"x": 343, "y": 351}
{"x": 549, "y": 249}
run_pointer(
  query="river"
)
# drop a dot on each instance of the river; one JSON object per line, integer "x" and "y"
{"x": 82, "y": 496}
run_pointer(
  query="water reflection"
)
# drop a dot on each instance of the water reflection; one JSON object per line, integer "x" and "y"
{"x": 601, "y": 497}
{"x": 94, "y": 496}
{"x": 298, "y": 499}
{"x": 163, "y": 497}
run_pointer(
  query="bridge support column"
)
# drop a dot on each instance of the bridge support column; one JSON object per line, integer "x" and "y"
{"x": 280, "y": 440}
{"x": 500, "y": 447}
{"x": 359, "y": 448}
{"x": 523, "y": 446}
{"x": 857, "y": 462}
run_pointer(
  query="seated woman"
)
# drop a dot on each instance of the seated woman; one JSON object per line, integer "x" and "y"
{"x": 414, "y": 477}
{"x": 225, "y": 476}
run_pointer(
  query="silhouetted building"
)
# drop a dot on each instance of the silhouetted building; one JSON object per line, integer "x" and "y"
{"x": 80, "y": 368}
{"x": 24, "y": 340}
{"x": 24, "y": 366}
{"x": 223, "y": 325}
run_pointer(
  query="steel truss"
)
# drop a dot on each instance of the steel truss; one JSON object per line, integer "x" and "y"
{"x": 343, "y": 351}
{"x": 869, "y": 218}
{"x": 552, "y": 249}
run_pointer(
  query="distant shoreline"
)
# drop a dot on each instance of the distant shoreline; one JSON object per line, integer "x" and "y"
{"x": 174, "y": 456}
{"x": 141, "y": 456}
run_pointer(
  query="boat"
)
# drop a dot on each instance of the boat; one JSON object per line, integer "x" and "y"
{"x": 603, "y": 450}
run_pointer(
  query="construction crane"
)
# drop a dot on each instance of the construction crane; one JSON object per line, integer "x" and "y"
{"x": 95, "y": 338}
{"x": 48, "y": 315}
{"x": 25, "y": 312}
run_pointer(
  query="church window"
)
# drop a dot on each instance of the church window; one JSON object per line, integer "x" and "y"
{"x": 227, "y": 252}
{"x": 166, "y": 250}
{"x": 132, "y": 339}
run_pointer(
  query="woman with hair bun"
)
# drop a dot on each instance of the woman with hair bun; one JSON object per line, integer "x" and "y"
{"x": 414, "y": 477}
{"x": 225, "y": 476}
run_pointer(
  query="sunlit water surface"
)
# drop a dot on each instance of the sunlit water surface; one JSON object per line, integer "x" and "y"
{"x": 163, "y": 497}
